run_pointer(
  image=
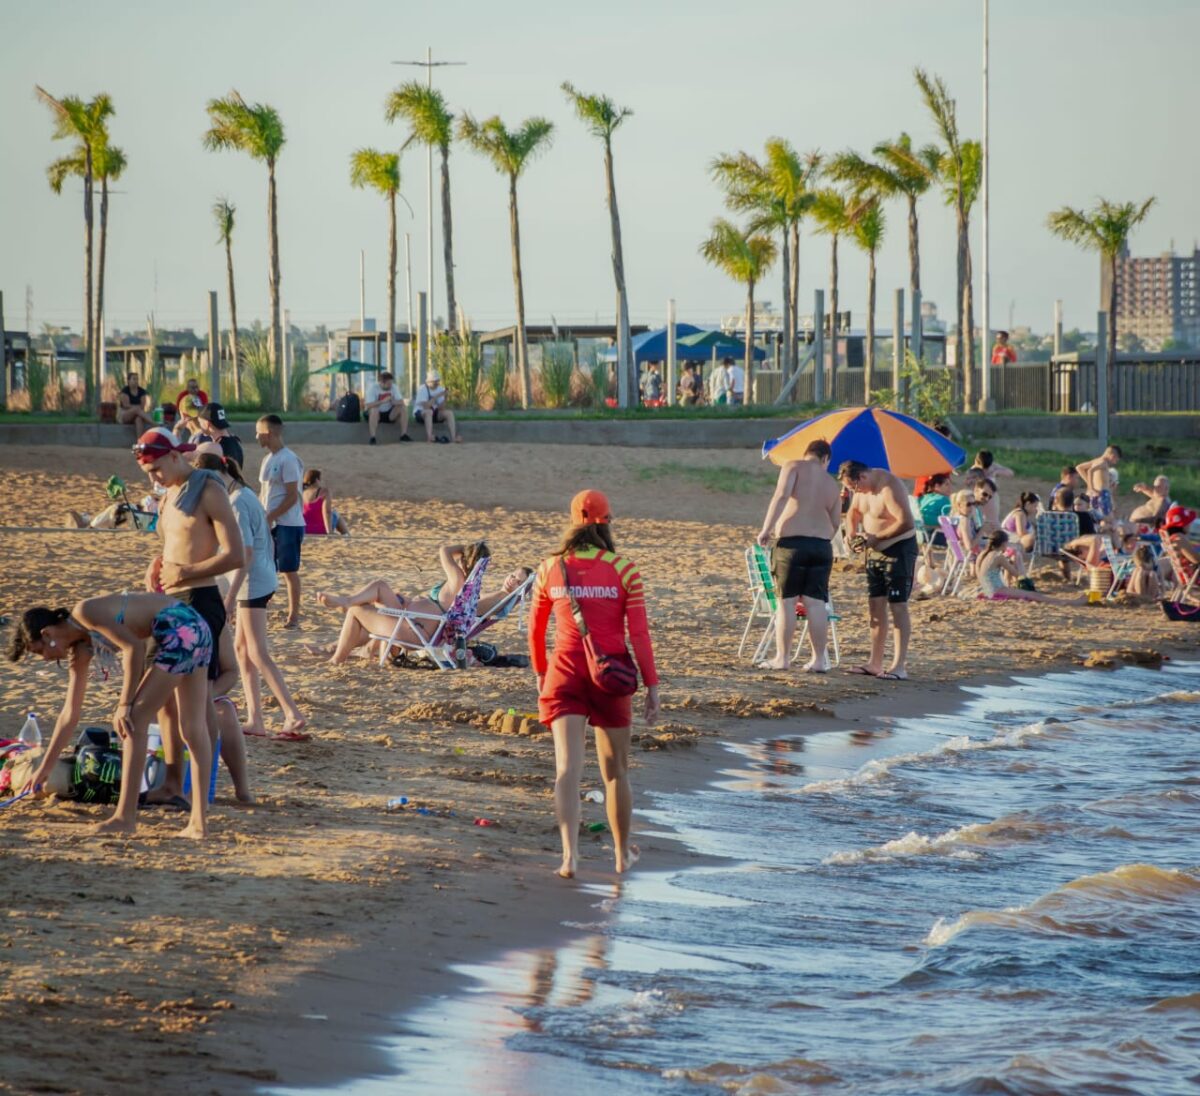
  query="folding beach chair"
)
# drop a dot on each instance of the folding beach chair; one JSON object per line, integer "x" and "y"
{"x": 763, "y": 601}
{"x": 1122, "y": 566}
{"x": 956, "y": 556}
{"x": 447, "y": 628}
{"x": 1185, "y": 582}
{"x": 1053, "y": 529}
{"x": 503, "y": 609}
{"x": 919, "y": 524}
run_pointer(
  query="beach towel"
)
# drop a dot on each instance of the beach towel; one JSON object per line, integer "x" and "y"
{"x": 190, "y": 493}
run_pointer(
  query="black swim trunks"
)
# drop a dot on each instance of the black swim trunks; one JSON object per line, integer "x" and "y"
{"x": 890, "y": 571}
{"x": 801, "y": 566}
{"x": 207, "y": 601}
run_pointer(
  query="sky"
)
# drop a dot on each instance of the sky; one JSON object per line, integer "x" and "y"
{"x": 1088, "y": 98}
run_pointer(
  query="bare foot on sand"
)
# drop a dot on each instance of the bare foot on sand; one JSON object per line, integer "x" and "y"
{"x": 772, "y": 664}
{"x": 817, "y": 665}
{"x": 255, "y": 730}
{"x": 114, "y": 825}
{"x": 332, "y": 601}
{"x": 319, "y": 651}
{"x": 294, "y": 724}
{"x": 194, "y": 831}
{"x": 570, "y": 866}
{"x": 624, "y": 863}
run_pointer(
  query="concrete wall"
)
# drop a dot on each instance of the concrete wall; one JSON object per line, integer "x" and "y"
{"x": 1019, "y": 431}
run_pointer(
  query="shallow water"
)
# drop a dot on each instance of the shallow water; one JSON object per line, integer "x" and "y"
{"x": 1004, "y": 900}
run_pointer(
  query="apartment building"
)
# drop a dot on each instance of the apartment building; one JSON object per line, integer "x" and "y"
{"x": 1159, "y": 298}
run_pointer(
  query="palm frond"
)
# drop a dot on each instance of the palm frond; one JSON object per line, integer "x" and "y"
{"x": 65, "y": 168}
{"x": 374, "y": 169}
{"x": 425, "y": 111}
{"x": 223, "y": 211}
{"x": 1105, "y": 228}
{"x": 941, "y": 108}
{"x": 253, "y": 128}
{"x": 869, "y": 225}
{"x": 508, "y": 150}
{"x": 599, "y": 113}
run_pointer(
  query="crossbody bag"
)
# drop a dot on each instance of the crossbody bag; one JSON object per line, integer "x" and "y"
{"x": 614, "y": 674}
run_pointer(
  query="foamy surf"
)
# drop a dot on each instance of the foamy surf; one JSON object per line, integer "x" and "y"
{"x": 956, "y": 842}
{"x": 1110, "y": 903}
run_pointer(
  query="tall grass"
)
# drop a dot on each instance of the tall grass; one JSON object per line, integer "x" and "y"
{"x": 37, "y": 377}
{"x": 496, "y": 379}
{"x": 557, "y": 369}
{"x": 263, "y": 380}
{"x": 460, "y": 363}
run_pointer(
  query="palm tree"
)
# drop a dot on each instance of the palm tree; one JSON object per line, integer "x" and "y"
{"x": 602, "y": 117}
{"x": 898, "y": 170}
{"x": 1105, "y": 229}
{"x": 745, "y": 256}
{"x": 867, "y": 230}
{"x": 510, "y": 151}
{"x": 775, "y": 192}
{"x": 381, "y": 171}
{"x": 425, "y": 110}
{"x": 969, "y": 180}
{"x": 223, "y": 211}
{"x": 943, "y": 110}
{"x": 84, "y": 122}
{"x": 834, "y": 216}
{"x": 256, "y": 129}
{"x": 108, "y": 163}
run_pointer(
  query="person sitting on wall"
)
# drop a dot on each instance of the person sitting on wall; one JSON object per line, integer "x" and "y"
{"x": 429, "y": 407}
{"x": 133, "y": 405}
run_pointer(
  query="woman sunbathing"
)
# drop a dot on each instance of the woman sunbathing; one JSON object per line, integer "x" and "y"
{"x": 363, "y": 620}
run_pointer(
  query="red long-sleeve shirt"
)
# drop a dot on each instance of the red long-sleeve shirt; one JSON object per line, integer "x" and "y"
{"x": 609, "y": 591}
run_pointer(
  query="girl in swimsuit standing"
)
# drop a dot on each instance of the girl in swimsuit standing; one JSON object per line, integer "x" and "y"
{"x": 108, "y": 635}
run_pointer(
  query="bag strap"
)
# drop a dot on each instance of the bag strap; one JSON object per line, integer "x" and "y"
{"x": 576, "y": 611}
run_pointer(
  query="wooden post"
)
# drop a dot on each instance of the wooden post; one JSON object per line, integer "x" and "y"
{"x": 1058, "y": 326}
{"x": 819, "y": 345}
{"x": 1102, "y": 367}
{"x": 672, "y": 367}
{"x": 286, "y": 360}
{"x": 4, "y": 359}
{"x": 214, "y": 350}
{"x": 898, "y": 349}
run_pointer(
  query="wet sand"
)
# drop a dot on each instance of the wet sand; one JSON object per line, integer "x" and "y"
{"x": 156, "y": 960}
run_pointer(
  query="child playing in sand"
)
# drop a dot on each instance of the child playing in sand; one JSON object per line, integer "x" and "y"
{"x": 108, "y": 635}
{"x": 992, "y": 567}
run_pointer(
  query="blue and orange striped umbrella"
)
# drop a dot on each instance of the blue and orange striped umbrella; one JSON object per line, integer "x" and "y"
{"x": 874, "y": 436}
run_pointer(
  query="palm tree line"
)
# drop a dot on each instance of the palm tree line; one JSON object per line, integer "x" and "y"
{"x": 844, "y": 195}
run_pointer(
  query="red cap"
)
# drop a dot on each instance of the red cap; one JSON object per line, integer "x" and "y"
{"x": 1179, "y": 517}
{"x": 590, "y": 508}
{"x": 158, "y": 443}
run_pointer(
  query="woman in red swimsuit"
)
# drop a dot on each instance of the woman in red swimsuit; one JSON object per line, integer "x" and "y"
{"x": 608, "y": 589}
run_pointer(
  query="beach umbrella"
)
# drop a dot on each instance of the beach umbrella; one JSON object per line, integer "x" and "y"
{"x": 347, "y": 366}
{"x": 716, "y": 342}
{"x": 876, "y": 437}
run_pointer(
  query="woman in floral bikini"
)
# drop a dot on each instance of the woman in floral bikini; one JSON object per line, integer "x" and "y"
{"x": 107, "y": 636}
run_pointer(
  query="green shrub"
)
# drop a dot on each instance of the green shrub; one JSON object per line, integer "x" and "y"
{"x": 37, "y": 377}
{"x": 263, "y": 381}
{"x": 930, "y": 391}
{"x": 497, "y": 379}
{"x": 557, "y": 369}
{"x": 460, "y": 363}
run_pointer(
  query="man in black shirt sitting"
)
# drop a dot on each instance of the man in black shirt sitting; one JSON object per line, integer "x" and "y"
{"x": 134, "y": 401}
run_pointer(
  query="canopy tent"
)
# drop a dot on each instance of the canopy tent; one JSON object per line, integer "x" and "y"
{"x": 347, "y": 366}
{"x": 717, "y": 343}
{"x": 651, "y": 346}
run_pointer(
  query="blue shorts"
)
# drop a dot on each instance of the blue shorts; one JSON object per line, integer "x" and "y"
{"x": 288, "y": 539}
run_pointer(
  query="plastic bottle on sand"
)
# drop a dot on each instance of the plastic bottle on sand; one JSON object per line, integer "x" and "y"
{"x": 31, "y": 733}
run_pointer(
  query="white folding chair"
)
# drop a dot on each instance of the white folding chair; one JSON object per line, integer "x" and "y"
{"x": 833, "y": 634}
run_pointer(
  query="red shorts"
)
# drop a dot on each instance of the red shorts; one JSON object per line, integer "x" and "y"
{"x": 568, "y": 690}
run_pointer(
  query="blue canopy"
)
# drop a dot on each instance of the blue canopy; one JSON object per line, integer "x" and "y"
{"x": 651, "y": 346}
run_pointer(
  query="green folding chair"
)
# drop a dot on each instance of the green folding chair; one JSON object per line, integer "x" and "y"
{"x": 764, "y": 605}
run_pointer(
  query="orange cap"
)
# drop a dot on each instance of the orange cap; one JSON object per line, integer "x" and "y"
{"x": 590, "y": 508}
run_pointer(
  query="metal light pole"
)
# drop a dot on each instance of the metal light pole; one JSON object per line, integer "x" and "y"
{"x": 429, "y": 64}
{"x": 986, "y": 403}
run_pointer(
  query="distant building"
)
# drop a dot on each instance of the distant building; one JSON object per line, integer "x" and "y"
{"x": 1157, "y": 298}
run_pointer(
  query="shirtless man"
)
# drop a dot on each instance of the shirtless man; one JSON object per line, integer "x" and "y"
{"x": 1097, "y": 475}
{"x": 802, "y": 518}
{"x": 1158, "y": 502}
{"x": 888, "y": 533}
{"x": 200, "y": 540}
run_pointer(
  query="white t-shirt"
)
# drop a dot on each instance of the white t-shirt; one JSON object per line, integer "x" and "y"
{"x": 252, "y": 521}
{"x": 721, "y": 380}
{"x": 425, "y": 395}
{"x": 375, "y": 390}
{"x": 277, "y": 471}
{"x": 739, "y": 379}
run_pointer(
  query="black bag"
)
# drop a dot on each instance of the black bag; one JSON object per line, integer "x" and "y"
{"x": 348, "y": 408}
{"x": 1178, "y": 610}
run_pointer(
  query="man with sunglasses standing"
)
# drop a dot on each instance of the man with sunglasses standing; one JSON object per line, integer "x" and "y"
{"x": 881, "y": 523}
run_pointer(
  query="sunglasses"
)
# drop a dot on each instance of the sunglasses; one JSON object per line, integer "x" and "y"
{"x": 985, "y": 497}
{"x": 140, "y": 450}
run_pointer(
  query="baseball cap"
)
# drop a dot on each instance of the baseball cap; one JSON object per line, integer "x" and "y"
{"x": 215, "y": 413}
{"x": 1179, "y": 517}
{"x": 590, "y": 507}
{"x": 158, "y": 443}
{"x": 432, "y": 375}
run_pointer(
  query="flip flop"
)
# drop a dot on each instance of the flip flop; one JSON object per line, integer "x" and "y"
{"x": 175, "y": 803}
{"x": 289, "y": 736}
{"x": 889, "y": 676}
{"x": 863, "y": 671}
{"x": 256, "y": 734}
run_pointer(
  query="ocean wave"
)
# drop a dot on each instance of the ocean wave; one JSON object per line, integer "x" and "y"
{"x": 1109, "y": 903}
{"x": 1001, "y": 831}
{"x": 746, "y": 1080}
{"x": 880, "y": 768}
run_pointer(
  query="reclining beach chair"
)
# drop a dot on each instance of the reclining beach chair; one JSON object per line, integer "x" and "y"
{"x": 1184, "y": 573}
{"x": 503, "y": 609}
{"x": 447, "y": 628}
{"x": 1122, "y": 566}
{"x": 956, "y": 557}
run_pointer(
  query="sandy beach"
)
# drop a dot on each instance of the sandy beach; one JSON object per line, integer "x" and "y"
{"x": 281, "y": 948}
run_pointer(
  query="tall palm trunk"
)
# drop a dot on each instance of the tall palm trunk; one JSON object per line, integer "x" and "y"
{"x": 628, "y": 371}
{"x": 1112, "y": 333}
{"x": 748, "y": 365}
{"x": 89, "y": 342}
{"x": 788, "y": 339}
{"x": 869, "y": 373}
{"x": 914, "y": 249}
{"x": 968, "y": 306}
{"x": 276, "y": 348}
{"x": 794, "y": 296}
{"x": 233, "y": 327}
{"x": 101, "y": 353}
{"x": 522, "y": 349}
{"x": 391, "y": 287}
{"x": 960, "y": 298}
{"x": 833, "y": 317}
{"x": 447, "y": 244}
